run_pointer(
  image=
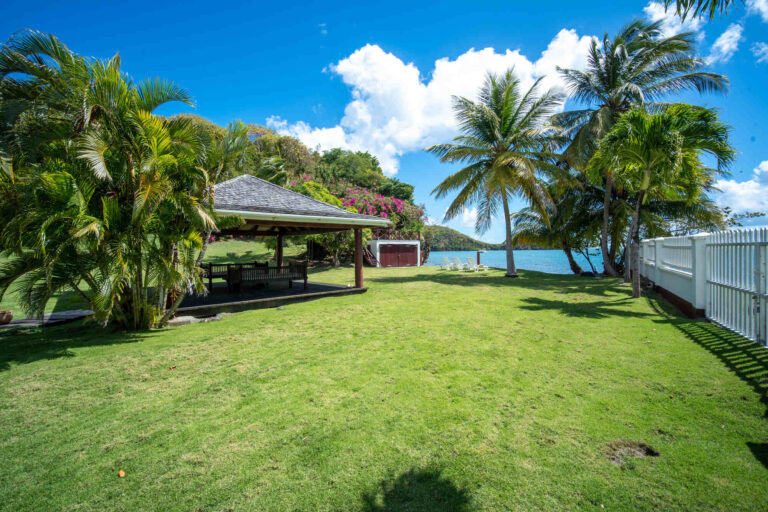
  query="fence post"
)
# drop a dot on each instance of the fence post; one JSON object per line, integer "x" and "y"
{"x": 658, "y": 255}
{"x": 699, "y": 269}
{"x": 761, "y": 285}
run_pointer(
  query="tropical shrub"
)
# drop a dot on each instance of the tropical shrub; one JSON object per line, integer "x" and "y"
{"x": 339, "y": 245}
{"x": 658, "y": 155}
{"x": 315, "y": 191}
{"x": 105, "y": 198}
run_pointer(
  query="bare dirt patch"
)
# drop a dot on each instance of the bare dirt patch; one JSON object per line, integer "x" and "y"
{"x": 619, "y": 452}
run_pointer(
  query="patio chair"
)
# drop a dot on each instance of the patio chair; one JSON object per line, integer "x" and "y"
{"x": 447, "y": 265}
{"x": 475, "y": 267}
{"x": 458, "y": 265}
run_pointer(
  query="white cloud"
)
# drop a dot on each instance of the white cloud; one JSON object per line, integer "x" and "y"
{"x": 468, "y": 217}
{"x": 671, "y": 23}
{"x": 727, "y": 44}
{"x": 749, "y": 195}
{"x": 760, "y": 50}
{"x": 758, "y": 7}
{"x": 393, "y": 111}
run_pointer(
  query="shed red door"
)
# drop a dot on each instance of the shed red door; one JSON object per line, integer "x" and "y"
{"x": 407, "y": 256}
{"x": 398, "y": 255}
{"x": 388, "y": 255}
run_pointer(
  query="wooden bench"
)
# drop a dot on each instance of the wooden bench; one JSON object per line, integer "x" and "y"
{"x": 220, "y": 270}
{"x": 238, "y": 273}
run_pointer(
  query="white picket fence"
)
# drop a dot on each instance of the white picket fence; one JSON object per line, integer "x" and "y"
{"x": 724, "y": 274}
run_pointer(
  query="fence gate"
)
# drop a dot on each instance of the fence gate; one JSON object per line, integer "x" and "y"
{"x": 737, "y": 291}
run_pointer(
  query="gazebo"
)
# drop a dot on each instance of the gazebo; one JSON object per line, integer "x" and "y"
{"x": 271, "y": 210}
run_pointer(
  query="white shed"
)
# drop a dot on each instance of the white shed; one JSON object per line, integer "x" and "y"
{"x": 396, "y": 253}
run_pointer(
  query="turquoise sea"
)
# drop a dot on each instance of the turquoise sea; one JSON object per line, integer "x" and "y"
{"x": 549, "y": 261}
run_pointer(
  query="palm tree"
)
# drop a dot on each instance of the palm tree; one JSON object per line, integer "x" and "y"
{"x": 505, "y": 139}
{"x": 571, "y": 226}
{"x": 708, "y": 8}
{"x": 272, "y": 169}
{"x": 111, "y": 193}
{"x": 637, "y": 67}
{"x": 658, "y": 154}
{"x": 224, "y": 157}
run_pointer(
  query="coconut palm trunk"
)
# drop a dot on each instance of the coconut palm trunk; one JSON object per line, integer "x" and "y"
{"x": 575, "y": 268}
{"x": 511, "y": 270}
{"x": 634, "y": 247}
{"x": 607, "y": 258}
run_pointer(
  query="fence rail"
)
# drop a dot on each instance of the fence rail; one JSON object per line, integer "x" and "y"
{"x": 723, "y": 274}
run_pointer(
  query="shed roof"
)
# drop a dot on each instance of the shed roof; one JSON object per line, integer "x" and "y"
{"x": 263, "y": 203}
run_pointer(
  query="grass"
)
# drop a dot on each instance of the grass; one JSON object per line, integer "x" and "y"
{"x": 229, "y": 251}
{"x": 242, "y": 251}
{"x": 432, "y": 391}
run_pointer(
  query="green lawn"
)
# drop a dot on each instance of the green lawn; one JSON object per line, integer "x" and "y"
{"x": 432, "y": 391}
{"x": 230, "y": 251}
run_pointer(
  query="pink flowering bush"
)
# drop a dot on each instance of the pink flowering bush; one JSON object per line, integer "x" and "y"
{"x": 340, "y": 245}
{"x": 407, "y": 219}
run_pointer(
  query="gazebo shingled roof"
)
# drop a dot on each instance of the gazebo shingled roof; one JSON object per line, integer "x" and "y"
{"x": 270, "y": 209}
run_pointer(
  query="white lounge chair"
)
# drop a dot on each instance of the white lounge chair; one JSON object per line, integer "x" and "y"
{"x": 475, "y": 267}
{"x": 458, "y": 265}
{"x": 447, "y": 265}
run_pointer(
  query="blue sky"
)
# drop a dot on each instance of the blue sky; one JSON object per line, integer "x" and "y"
{"x": 379, "y": 77}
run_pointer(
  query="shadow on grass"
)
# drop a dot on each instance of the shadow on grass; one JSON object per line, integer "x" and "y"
{"x": 23, "y": 346}
{"x": 417, "y": 490}
{"x": 592, "y": 309}
{"x": 528, "y": 280}
{"x": 760, "y": 452}
{"x": 745, "y": 358}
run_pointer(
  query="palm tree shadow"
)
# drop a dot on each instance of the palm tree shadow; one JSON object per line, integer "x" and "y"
{"x": 529, "y": 280}
{"x": 23, "y": 346}
{"x": 593, "y": 309}
{"x": 417, "y": 490}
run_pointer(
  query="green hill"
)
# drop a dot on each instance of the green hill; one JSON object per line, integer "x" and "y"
{"x": 442, "y": 238}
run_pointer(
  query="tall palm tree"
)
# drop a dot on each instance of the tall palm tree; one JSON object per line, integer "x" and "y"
{"x": 658, "y": 154}
{"x": 506, "y": 135}
{"x": 638, "y": 66}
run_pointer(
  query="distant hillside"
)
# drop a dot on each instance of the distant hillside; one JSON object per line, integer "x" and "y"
{"x": 442, "y": 238}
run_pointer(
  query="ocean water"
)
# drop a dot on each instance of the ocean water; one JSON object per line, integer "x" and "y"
{"x": 549, "y": 261}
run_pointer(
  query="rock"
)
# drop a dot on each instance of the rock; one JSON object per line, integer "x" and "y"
{"x": 5, "y": 317}
{"x": 186, "y": 320}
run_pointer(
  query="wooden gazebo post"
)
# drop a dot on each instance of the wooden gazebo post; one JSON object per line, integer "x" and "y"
{"x": 358, "y": 258}
{"x": 279, "y": 249}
